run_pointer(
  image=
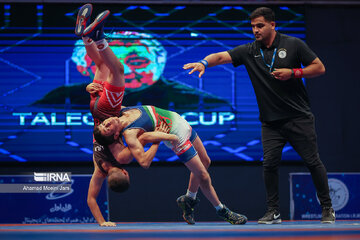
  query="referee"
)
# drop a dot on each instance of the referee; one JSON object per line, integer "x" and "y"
{"x": 274, "y": 63}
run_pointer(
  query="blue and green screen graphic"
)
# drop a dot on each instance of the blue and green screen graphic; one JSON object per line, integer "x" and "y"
{"x": 44, "y": 108}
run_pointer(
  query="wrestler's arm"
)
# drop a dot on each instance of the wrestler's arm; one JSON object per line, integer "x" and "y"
{"x": 123, "y": 155}
{"x": 137, "y": 149}
{"x": 161, "y": 133}
{"x": 96, "y": 182}
{"x": 159, "y": 136}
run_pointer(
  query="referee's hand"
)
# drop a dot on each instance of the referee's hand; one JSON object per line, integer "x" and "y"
{"x": 195, "y": 67}
{"x": 282, "y": 74}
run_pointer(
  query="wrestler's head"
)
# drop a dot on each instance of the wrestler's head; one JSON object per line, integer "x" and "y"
{"x": 118, "y": 179}
{"x": 142, "y": 56}
{"x": 108, "y": 131}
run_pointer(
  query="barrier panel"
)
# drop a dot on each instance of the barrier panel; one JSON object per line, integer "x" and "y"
{"x": 344, "y": 193}
{"x": 32, "y": 198}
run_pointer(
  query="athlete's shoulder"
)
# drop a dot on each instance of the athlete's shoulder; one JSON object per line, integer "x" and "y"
{"x": 288, "y": 38}
{"x": 246, "y": 46}
{"x": 124, "y": 109}
{"x": 244, "y": 49}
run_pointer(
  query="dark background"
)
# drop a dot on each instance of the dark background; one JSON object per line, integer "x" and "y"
{"x": 332, "y": 32}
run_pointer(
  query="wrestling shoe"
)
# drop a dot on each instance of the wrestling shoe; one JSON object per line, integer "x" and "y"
{"x": 230, "y": 216}
{"x": 328, "y": 215}
{"x": 95, "y": 30}
{"x": 83, "y": 19}
{"x": 187, "y": 205}
{"x": 272, "y": 216}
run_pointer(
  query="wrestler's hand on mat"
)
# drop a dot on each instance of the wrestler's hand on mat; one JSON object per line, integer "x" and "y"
{"x": 282, "y": 74}
{"x": 195, "y": 67}
{"x": 108, "y": 224}
{"x": 94, "y": 88}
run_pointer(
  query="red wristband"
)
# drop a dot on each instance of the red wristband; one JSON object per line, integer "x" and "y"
{"x": 298, "y": 72}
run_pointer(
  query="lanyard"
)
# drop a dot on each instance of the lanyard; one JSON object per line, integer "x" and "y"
{"x": 272, "y": 61}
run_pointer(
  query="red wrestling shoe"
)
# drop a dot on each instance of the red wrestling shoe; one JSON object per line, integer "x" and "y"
{"x": 83, "y": 19}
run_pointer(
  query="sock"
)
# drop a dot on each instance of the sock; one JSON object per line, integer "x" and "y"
{"x": 102, "y": 44}
{"x": 191, "y": 194}
{"x": 87, "y": 40}
{"x": 219, "y": 207}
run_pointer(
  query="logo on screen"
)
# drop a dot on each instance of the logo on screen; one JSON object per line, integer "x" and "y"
{"x": 339, "y": 193}
{"x": 52, "y": 177}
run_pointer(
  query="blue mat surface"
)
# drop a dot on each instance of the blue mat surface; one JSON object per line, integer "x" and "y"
{"x": 179, "y": 230}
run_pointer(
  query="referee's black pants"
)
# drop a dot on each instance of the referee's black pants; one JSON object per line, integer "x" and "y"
{"x": 300, "y": 133}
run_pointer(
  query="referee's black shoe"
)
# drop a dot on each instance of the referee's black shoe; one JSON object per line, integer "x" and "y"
{"x": 328, "y": 215}
{"x": 272, "y": 216}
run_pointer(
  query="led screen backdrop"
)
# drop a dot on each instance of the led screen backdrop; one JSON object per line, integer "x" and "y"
{"x": 44, "y": 71}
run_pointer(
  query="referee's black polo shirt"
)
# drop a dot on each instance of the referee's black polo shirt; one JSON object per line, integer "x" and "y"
{"x": 276, "y": 99}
